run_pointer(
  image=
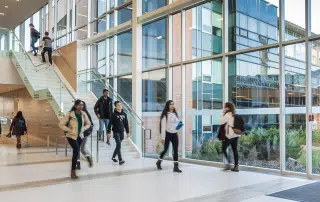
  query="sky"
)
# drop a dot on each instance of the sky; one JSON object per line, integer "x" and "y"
{"x": 295, "y": 13}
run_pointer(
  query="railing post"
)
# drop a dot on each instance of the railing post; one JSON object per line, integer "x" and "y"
{"x": 66, "y": 147}
{"x": 97, "y": 147}
{"x": 48, "y": 143}
{"x": 102, "y": 135}
{"x": 57, "y": 140}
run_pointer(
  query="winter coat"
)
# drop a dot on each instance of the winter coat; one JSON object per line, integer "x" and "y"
{"x": 228, "y": 119}
{"x": 18, "y": 131}
{"x": 103, "y": 108}
{"x": 72, "y": 127}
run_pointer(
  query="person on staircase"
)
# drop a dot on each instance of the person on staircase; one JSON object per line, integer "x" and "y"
{"x": 119, "y": 124}
{"x": 46, "y": 47}
{"x": 83, "y": 149}
{"x": 18, "y": 127}
{"x": 74, "y": 123}
{"x": 169, "y": 126}
{"x": 103, "y": 110}
{"x": 35, "y": 35}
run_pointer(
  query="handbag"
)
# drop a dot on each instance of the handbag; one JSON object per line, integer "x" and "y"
{"x": 9, "y": 135}
{"x": 88, "y": 132}
{"x": 222, "y": 132}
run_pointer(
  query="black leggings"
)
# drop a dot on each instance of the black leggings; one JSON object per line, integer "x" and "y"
{"x": 234, "y": 145}
{"x": 171, "y": 137}
{"x": 75, "y": 144}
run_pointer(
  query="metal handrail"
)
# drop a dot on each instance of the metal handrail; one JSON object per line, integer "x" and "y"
{"x": 127, "y": 105}
{"x": 26, "y": 53}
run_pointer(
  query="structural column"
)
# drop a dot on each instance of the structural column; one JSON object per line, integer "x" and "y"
{"x": 225, "y": 48}
{"x": 282, "y": 115}
{"x": 309, "y": 90}
{"x": 137, "y": 71}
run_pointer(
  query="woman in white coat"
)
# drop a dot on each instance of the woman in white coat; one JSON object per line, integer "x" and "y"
{"x": 227, "y": 118}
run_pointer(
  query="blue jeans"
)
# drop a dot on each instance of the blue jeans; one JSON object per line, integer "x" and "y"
{"x": 33, "y": 41}
{"x": 101, "y": 123}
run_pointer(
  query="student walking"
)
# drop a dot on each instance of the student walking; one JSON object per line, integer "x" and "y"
{"x": 74, "y": 123}
{"x": 35, "y": 35}
{"x": 18, "y": 127}
{"x": 83, "y": 149}
{"x": 231, "y": 138}
{"x": 103, "y": 110}
{"x": 119, "y": 124}
{"x": 169, "y": 126}
{"x": 46, "y": 47}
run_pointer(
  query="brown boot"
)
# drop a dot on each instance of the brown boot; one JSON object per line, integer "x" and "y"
{"x": 74, "y": 175}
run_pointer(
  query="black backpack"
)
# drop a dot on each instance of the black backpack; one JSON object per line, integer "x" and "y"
{"x": 238, "y": 125}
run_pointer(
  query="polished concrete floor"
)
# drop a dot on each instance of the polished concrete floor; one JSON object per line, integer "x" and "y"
{"x": 34, "y": 175}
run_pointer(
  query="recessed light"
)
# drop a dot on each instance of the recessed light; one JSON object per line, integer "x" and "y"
{"x": 1, "y": 13}
{"x": 6, "y": 6}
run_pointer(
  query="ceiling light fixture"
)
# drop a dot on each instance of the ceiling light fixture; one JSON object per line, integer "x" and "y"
{"x": 6, "y": 6}
{"x": 1, "y": 13}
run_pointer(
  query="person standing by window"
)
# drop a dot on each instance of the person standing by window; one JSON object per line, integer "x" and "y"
{"x": 46, "y": 47}
{"x": 231, "y": 138}
{"x": 35, "y": 35}
{"x": 119, "y": 124}
{"x": 103, "y": 110}
{"x": 74, "y": 124}
{"x": 18, "y": 127}
{"x": 169, "y": 126}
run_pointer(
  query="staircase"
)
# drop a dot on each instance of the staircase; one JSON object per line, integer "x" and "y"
{"x": 45, "y": 82}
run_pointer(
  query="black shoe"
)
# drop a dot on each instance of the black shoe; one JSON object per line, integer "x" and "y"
{"x": 78, "y": 167}
{"x": 90, "y": 161}
{"x": 235, "y": 169}
{"x": 19, "y": 146}
{"x": 121, "y": 162}
{"x": 114, "y": 160}
{"x": 159, "y": 164}
{"x": 108, "y": 142}
{"x": 176, "y": 168}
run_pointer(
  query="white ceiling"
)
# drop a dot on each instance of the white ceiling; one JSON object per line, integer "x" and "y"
{"x": 18, "y": 11}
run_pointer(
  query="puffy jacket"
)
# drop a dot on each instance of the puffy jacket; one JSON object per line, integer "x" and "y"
{"x": 118, "y": 122}
{"x": 72, "y": 128}
{"x": 103, "y": 108}
{"x": 228, "y": 119}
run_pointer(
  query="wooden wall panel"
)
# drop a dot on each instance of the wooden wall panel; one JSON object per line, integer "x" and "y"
{"x": 67, "y": 63}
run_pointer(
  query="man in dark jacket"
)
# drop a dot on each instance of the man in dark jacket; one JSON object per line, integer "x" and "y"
{"x": 119, "y": 124}
{"x": 103, "y": 110}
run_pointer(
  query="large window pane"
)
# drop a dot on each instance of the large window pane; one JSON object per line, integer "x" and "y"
{"x": 62, "y": 18}
{"x": 252, "y": 23}
{"x": 254, "y": 89}
{"x": 203, "y": 92}
{"x": 125, "y": 88}
{"x": 295, "y": 19}
{"x": 176, "y": 38}
{"x": 82, "y": 33}
{"x": 154, "y": 44}
{"x": 154, "y": 90}
{"x": 99, "y": 7}
{"x": 124, "y": 14}
{"x": 36, "y": 23}
{"x": 124, "y": 53}
{"x": 17, "y": 36}
{"x": 204, "y": 30}
{"x": 27, "y": 36}
{"x": 99, "y": 57}
{"x": 151, "y": 5}
{"x": 99, "y": 26}
{"x": 315, "y": 27}
{"x": 315, "y": 83}
{"x": 111, "y": 56}
{"x": 295, "y": 81}
{"x": 81, "y": 12}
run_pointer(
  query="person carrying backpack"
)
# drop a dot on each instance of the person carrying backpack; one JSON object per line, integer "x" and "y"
{"x": 233, "y": 127}
{"x": 18, "y": 127}
{"x": 35, "y": 35}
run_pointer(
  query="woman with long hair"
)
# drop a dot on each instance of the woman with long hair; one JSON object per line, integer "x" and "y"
{"x": 169, "y": 126}
{"x": 74, "y": 124}
{"x": 84, "y": 151}
{"x": 227, "y": 118}
{"x": 18, "y": 127}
